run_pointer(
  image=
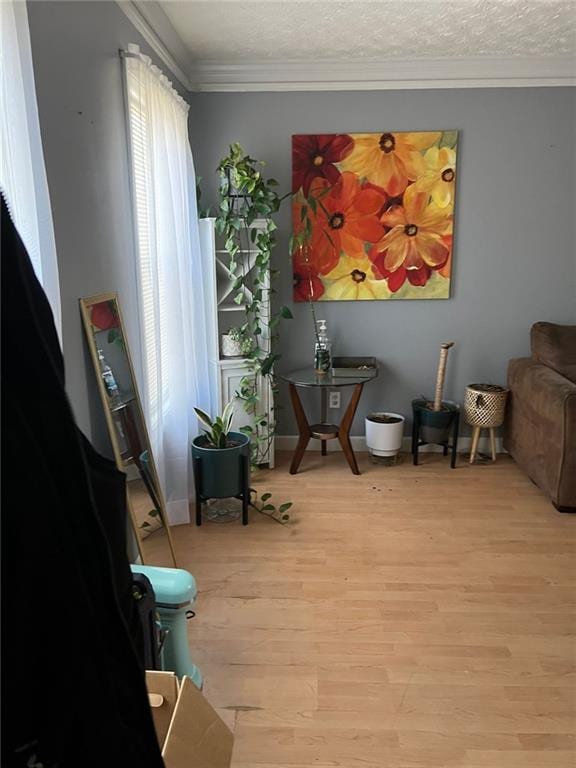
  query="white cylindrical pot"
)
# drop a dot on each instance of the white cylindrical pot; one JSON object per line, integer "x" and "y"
{"x": 384, "y": 438}
{"x": 230, "y": 347}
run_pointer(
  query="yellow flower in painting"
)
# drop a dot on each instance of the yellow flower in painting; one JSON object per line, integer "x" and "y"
{"x": 440, "y": 175}
{"x": 446, "y": 270}
{"x": 416, "y": 236}
{"x": 390, "y": 160}
{"x": 353, "y": 279}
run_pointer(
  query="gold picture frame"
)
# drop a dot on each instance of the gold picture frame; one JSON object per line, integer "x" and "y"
{"x": 106, "y": 337}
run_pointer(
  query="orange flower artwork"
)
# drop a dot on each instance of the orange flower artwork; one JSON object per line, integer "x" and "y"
{"x": 380, "y": 205}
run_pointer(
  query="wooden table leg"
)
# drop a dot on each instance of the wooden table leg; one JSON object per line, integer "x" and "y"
{"x": 323, "y": 416}
{"x": 346, "y": 424}
{"x": 303, "y": 428}
{"x": 474, "y": 447}
{"x": 493, "y": 442}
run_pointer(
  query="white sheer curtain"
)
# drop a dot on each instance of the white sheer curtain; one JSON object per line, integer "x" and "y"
{"x": 177, "y": 374}
{"x": 22, "y": 171}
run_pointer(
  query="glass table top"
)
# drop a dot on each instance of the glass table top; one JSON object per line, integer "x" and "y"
{"x": 307, "y": 377}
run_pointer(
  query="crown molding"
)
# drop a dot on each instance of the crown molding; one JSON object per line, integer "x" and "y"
{"x": 383, "y": 75}
{"x": 152, "y": 23}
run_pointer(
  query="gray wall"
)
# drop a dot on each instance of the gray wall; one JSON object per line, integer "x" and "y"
{"x": 79, "y": 88}
{"x": 514, "y": 252}
{"x": 514, "y": 247}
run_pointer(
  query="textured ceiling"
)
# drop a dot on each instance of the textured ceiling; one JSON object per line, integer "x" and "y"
{"x": 238, "y": 31}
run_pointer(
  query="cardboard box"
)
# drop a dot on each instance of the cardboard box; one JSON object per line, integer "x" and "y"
{"x": 191, "y": 733}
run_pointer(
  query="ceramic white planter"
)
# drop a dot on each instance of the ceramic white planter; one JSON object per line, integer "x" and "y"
{"x": 384, "y": 439}
{"x": 230, "y": 348}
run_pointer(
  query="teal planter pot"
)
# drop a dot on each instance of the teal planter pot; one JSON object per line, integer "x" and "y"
{"x": 222, "y": 473}
{"x": 435, "y": 427}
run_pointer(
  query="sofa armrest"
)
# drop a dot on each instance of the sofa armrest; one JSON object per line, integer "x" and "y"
{"x": 540, "y": 430}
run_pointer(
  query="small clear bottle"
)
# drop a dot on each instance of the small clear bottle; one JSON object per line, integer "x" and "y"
{"x": 322, "y": 349}
{"x": 109, "y": 380}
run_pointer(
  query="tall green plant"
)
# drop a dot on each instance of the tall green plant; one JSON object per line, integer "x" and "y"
{"x": 245, "y": 196}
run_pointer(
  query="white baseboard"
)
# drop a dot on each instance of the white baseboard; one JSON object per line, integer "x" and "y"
{"x": 289, "y": 442}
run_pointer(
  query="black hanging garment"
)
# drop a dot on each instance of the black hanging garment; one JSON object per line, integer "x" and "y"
{"x": 73, "y": 683}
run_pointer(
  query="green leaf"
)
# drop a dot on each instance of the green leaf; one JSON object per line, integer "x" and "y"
{"x": 268, "y": 363}
{"x": 286, "y": 313}
{"x": 228, "y": 415}
{"x": 265, "y": 497}
{"x": 285, "y": 507}
{"x": 239, "y": 298}
{"x": 204, "y": 418}
{"x": 268, "y": 508}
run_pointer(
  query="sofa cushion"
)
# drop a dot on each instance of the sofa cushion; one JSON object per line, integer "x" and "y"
{"x": 555, "y": 346}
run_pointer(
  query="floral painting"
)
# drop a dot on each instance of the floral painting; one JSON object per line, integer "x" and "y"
{"x": 373, "y": 215}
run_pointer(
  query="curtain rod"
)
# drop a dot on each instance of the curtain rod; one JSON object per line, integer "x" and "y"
{"x": 131, "y": 52}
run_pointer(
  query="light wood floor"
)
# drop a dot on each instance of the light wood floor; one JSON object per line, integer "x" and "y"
{"x": 405, "y": 618}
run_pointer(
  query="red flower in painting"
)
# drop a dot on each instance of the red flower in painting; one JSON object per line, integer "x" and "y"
{"x": 345, "y": 219}
{"x": 396, "y": 279}
{"x": 416, "y": 234}
{"x": 307, "y": 284}
{"x": 314, "y": 157}
{"x": 103, "y": 317}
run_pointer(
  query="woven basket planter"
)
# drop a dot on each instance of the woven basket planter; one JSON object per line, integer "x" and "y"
{"x": 485, "y": 404}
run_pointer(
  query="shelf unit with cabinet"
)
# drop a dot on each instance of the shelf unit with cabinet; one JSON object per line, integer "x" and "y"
{"x": 223, "y": 315}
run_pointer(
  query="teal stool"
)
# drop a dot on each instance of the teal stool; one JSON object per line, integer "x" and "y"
{"x": 175, "y": 591}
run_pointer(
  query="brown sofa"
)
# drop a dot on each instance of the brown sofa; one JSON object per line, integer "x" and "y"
{"x": 540, "y": 429}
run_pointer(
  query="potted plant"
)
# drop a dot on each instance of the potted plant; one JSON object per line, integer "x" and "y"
{"x": 384, "y": 433}
{"x": 235, "y": 343}
{"x": 436, "y": 416}
{"x": 222, "y": 468}
{"x": 221, "y": 462}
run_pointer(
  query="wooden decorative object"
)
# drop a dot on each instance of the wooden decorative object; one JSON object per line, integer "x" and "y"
{"x": 484, "y": 407}
{"x": 441, "y": 375}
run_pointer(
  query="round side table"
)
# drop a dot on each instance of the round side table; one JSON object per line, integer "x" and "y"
{"x": 324, "y": 431}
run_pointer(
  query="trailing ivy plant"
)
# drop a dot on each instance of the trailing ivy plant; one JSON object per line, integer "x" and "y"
{"x": 246, "y": 196}
{"x": 263, "y": 505}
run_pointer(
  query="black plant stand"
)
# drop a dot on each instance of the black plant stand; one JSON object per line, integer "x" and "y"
{"x": 453, "y": 429}
{"x": 244, "y": 494}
